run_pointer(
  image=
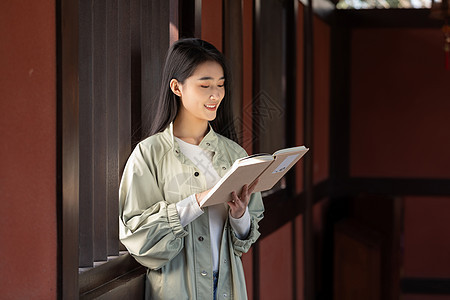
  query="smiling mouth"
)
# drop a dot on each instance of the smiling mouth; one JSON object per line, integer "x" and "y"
{"x": 211, "y": 107}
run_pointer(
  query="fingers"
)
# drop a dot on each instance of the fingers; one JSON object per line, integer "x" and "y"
{"x": 234, "y": 197}
{"x": 237, "y": 206}
{"x": 245, "y": 195}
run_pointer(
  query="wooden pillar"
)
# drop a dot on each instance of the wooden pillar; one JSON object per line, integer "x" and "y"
{"x": 68, "y": 148}
{"x": 308, "y": 166}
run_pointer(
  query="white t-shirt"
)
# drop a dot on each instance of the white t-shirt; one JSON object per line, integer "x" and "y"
{"x": 188, "y": 209}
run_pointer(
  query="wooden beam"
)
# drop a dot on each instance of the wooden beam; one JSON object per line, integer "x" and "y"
{"x": 86, "y": 171}
{"x": 308, "y": 230}
{"x": 256, "y": 86}
{"x": 111, "y": 271}
{"x": 394, "y": 186}
{"x": 233, "y": 51}
{"x": 68, "y": 148}
{"x": 425, "y": 286}
{"x": 386, "y": 18}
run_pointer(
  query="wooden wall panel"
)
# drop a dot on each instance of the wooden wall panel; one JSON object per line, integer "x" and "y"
{"x": 269, "y": 98}
{"x": 426, "y": 237}
{"x": 385, "y": 215}
{"x": 299, "y": 257}
{"x": 212, "y": 20}
{"x": 276, "y": 265}
{"x": 247, "y": 262}
{"x": 28, "y": 151}
{"x": 400, "y": 107}
{"x": 105, "y": 123}
{"x": 357, "y": 271}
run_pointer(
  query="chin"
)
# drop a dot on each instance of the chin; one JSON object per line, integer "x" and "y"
{"x": 211, "y": 117}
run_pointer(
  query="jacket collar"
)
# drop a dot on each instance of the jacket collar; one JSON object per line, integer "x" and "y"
{"x": 209, "y": 141}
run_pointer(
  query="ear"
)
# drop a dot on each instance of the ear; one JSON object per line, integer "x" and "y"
{"x": 175, "y": 87}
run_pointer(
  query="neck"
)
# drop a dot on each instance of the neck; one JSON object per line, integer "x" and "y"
{"x": 190, "y": 130}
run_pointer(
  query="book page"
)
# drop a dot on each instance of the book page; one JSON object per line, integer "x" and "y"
{"x": 285, "y": 163}
{"x": 284, "y": 160}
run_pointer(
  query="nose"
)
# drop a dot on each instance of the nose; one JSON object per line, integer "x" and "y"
{"x": 217, "y": 94}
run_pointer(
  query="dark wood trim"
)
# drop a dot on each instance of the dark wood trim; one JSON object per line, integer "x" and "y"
{"x": 155, "y": 35}
{"x": 198, "y": 18}
{"x": 233, "y": 51}
{"x": 308, "y": 230}
{"x": 256, "y": 86}
{"x": 190, "y": 18}
{"x": 280, "y": 208}
{"x": 136, "y": 62}
{"x": 256, "y": 122}
{"x": 290, "y": 16}
{"x": 386, "y": 18}
{"x": 322, "y": 8}
{"x": 256, "y": 271}
{"x": 100, "y": 129}
{"x": 128, "y": 286}
{"x": 86, "y": 134}
{"x": 113, "y": 86}
{"x": 59, "y": 126}
{"x": 290, "y": 12}
{"x": 109, "y": 272}
{"x": 294, "y": 277}
{"x": 436, "y": 286}
{"x": 339, "y": 127}
{"x": 125, "y": 92}
{"x": 68, "y": 148}
{"x": 174, "y": 20}
{"x": 340, "y": 103}
{"x": 393, "y": 186}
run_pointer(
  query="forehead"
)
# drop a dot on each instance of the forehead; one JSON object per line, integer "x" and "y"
{"x": 209, "y": 70}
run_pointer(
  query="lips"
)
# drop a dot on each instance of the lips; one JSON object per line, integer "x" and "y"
{"x": 211, "y": 107}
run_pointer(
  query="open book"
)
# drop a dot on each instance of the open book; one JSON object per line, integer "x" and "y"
{"x": 270, "y": 168}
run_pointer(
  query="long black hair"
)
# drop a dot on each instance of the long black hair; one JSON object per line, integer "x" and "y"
{"x": 183, "y": 57}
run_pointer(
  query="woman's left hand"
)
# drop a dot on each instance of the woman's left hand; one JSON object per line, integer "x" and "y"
{"x": 238, "y": 205}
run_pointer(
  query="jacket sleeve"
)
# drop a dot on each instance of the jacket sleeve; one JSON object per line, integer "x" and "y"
{"x": 256, "y": 210}
{"x": 149, "y": 227}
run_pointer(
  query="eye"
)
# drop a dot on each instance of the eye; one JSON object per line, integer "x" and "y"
{"x": 221, "y": 85}
{"x": 205, "y": 86}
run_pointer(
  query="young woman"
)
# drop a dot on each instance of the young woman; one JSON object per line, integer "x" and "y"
{"x": 189, "y": 252}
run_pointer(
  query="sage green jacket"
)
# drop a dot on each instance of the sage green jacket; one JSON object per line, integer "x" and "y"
{"x": 179, "y": 262}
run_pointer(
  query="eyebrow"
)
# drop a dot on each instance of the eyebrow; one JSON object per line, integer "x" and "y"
{"x": 210, "y": 78}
